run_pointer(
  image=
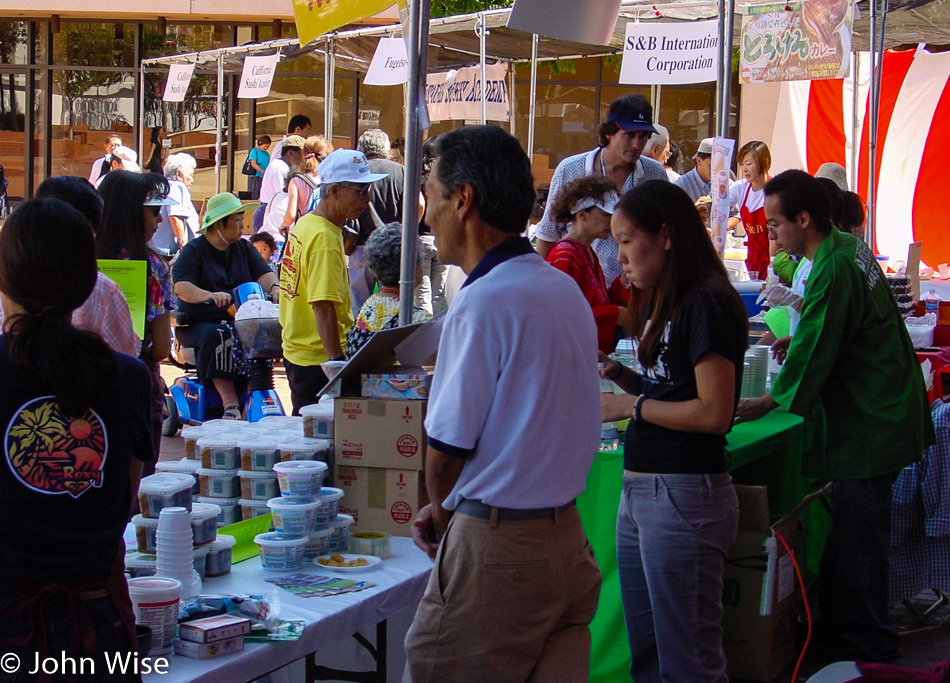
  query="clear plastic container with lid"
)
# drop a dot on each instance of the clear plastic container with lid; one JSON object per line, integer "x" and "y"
{"x": 281, "y": 552}
{"x": 300, "y": 478}
{"x": 145, "y": 528}
{"x": 218, "y": 561}
{"x": 340, "y": 538}
{"x": 258, "y": 485}
{"x": 302, "y": 448}
{"x": 164, "y": 490}
{"x": 191, "y": 436}
{"x": 219, "y": 452}
{"x": 253, "y": 508}
{"x": 259, "y": 452}
{"x": 204, "y": 522}
{"x": 230, "y": 512}
{"x": 293, "y": 515}
{"x": 140, "y": 564}
{"x": 329, "y": 504}
{"x": 183, "y": 466}
{"x": 219, "y": 483}
{"x": 318, "y": 543}
{"x": 318, "y": 420}
{"x": 200, "y": 560}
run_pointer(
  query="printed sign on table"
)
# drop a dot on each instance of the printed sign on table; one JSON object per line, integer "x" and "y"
{"x": 132, "y": 278}
{"x": 719, "y": 211}
{"x": 390, "y": 65}
{"x": 257, "y": 77}
{"x": 809, "y": 42}
{"x": 457, "y": 95}
{"x": 670, "y": 54}
{"x": 179, "y": 77}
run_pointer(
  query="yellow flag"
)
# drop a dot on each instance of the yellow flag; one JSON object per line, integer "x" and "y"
{"x": 316, "y": 17}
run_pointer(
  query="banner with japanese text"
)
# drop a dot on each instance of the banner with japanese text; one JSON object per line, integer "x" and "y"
{"x": 457, "y": 95}
{"x": 796, "y": 42}
{"x": 316, "y": 17}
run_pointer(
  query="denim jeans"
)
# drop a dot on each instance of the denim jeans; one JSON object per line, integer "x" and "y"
{"x": 673, "y": 531}
{"x": 430, "y": 290}
{"x": 853, "y": 577}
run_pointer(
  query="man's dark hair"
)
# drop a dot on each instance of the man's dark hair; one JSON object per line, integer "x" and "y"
{"x": 299, "y": 121}
{"x": 627, "y": 104}
{"x": 797, "y": 191}
{"x": 493, "y": 163}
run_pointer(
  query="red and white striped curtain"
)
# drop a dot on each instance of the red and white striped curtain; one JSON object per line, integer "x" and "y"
{"x": 815, "y": 123}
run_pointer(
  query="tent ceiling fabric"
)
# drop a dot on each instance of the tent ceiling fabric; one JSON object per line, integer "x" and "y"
{"x": 454, "y": 43}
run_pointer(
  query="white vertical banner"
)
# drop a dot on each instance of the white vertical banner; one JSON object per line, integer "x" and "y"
{"x": 257, "y": 76}
{"x": 657, "y": 53}
{"x": 179, "y": 78}
{"x": 457, "y": 94}
{"x": 719, "y": 218}
{"x": 390, "y": 65}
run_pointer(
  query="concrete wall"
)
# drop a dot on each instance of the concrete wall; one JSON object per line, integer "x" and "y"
{"x": 757, "y": 112}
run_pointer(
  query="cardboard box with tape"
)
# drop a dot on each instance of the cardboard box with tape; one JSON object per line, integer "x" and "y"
{"x": 379, "y": 432}
{"x": 760, "y": 591}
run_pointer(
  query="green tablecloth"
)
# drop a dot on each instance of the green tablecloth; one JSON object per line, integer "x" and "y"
{"x": 767, "y": 451}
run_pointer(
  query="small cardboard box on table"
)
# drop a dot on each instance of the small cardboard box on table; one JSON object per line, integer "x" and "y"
{"x": 380, "y": 442}
{"x": 760, "y": 591}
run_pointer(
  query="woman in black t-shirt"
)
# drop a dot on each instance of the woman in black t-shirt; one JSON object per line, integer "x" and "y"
{"x": 678, "y": 512}
{"x": 75, "y": 421}
{"x": 207, "y": 269}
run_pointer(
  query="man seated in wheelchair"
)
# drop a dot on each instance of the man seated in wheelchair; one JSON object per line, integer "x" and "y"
{"x": 207, "y": 269}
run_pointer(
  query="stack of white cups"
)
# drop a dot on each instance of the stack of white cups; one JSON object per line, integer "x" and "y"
{"x": 173, "y": 546}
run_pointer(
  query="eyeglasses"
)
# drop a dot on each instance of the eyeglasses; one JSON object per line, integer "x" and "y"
{"x": 362, "y": 189}
{"x": 774, "y": 226}
{"x": 156, "y": 210}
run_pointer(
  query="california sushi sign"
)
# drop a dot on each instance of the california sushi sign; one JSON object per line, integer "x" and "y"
{"x": 656, "y": 53}
{"x": 796, "y": 42}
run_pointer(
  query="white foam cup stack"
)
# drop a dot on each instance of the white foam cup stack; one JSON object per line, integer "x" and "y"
{"x": 174, "y": 543}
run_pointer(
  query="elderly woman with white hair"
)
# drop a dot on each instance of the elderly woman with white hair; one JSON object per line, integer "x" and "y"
{"x": 180, "y": 222}
{"x": 381, "y": 310}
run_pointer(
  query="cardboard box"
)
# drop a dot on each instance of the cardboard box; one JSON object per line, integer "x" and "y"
{"x": 373, "y": 432}
{"x": 408, "y": 383}
{"x": 382, "y": 499}
{"x": 760, "y": 596}
{"x": 211, "y": 629}
{"x": 186, "y": 648}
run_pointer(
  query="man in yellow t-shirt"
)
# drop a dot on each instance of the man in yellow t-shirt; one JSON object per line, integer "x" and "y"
{"x": 315, "y": 311}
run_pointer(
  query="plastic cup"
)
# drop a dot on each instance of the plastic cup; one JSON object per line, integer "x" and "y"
{"x": 281, "y": 552}
{"x": 292, "y": 516}
{"x": 155, "y": 603}
{"x": 174, "y": 519}
{"x": 753, "y": 275}
{"x": 300, "y": 478}
{"x": 329, "y": 504}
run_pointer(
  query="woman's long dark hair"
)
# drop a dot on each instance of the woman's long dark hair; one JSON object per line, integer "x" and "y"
{"x": 48, "y": 267}
{"x": 692, "y": 263}
{"x": 121, "y": 232}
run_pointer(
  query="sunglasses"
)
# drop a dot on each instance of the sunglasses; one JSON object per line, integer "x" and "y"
{"x": 362, "y": 189}
{"x": 156, "y": 210}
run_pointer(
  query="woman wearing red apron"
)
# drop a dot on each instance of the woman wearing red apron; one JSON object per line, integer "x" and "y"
{"x": 754, "y": 163}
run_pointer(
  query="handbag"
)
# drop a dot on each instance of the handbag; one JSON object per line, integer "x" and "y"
{"x": 247, "y": 169}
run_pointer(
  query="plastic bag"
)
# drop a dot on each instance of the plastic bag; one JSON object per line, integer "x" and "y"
{"x": 921, "y": 330}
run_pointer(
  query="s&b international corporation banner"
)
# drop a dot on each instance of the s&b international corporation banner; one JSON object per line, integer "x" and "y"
{"x": 810, "y": 41}
{"x": 657, "y": 53}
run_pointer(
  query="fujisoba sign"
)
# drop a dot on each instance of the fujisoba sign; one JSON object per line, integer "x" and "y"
{"x": 657, "y": 53}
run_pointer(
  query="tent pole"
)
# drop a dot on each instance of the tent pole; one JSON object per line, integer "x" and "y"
{"x": 142, "y": 106}
{"x": 482, "y": 31}
{"x": 329, "y": 74}
{"x": 219, "y": 132}
{"x": 877, "y": 67}
{"x": 418, "y": 50}
{"x": 512, "y": 100}
{"x": 533, "y": 97}
{"x": 855, "y": 101}
{"x": 727, "y": 11}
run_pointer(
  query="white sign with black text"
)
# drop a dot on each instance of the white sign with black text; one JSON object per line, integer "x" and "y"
{"x": 257, "y": 77}
{"x": 390, "y": 65}
{"x": 457, "y": 95}
{"x": 670, "y": 54}
{"x": 179, "y": 77}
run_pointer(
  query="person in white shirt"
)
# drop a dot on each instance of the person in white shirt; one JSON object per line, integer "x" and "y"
{"x": 180, "y": 221}
{"x": 102, "y": 166}
{"x": 275, "y": 179}
{"x": 658, "y": 148}
{"x": 298, "y": 125}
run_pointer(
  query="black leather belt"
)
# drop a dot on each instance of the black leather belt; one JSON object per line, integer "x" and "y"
{"x": 476, "y": 508}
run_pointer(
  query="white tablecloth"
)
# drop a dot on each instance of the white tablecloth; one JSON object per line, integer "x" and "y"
{"x": 400, "y": 582}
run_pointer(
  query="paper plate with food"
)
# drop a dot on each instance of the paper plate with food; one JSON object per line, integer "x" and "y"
{"x": 345, "y": 562}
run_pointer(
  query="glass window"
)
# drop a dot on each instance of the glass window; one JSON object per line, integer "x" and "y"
{"x": 564, "y": 120}
{"x": 13, "y": 42}
{"x": 689, "y": 112}
{"x": 12, "y": 135}
{"x": 382, "y": 107}
{"x": 94, "y": 45}
{"x": 87, "y": 105}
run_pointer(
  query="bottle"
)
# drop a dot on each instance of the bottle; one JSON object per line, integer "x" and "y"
{"x": 609, "y": 435}
{"x": 932, "y": 303}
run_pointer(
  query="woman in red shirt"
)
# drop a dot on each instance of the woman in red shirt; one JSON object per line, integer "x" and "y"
{"x": 587, "y": 204}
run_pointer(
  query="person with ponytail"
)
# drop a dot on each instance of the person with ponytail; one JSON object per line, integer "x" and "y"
{"x": 131, "y": 213}
{"x": 74, "y": 416}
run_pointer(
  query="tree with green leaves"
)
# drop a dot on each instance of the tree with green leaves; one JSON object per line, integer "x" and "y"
{"x": 12, "y": 35}
{"x": 447, "y": 8}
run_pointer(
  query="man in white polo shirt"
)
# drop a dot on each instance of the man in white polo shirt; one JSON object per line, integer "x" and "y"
{"x": 511, "y": 437}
